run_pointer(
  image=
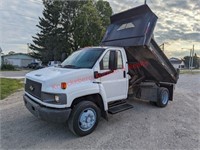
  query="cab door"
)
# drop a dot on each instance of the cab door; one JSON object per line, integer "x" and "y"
{"x": 114, "y": 81}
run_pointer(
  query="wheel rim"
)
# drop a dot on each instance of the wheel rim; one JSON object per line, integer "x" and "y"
{"x": 87, "y": 119}
{"x": 165, "y": 97}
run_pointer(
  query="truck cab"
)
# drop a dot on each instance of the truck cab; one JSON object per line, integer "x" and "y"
{"x": 95, "y": 81}
{"x": 91, "y": 75}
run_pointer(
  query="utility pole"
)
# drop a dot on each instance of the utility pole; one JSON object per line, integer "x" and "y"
{"x": 192, "y": 58}
{"x": 162, "y": 46}
{"x": 145, "y": 1}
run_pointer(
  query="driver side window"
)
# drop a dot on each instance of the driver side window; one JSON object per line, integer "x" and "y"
{"x": 104, "y": 64}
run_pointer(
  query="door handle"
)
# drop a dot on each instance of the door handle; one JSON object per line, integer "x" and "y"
{"x": 124, "y": 74}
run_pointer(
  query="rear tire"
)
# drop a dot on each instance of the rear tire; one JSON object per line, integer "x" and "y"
{"x": 163, "y": 97}
{"x": 84, "y": 118}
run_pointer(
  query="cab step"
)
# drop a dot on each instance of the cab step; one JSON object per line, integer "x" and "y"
{"x": 119, "y": 108}
{"x": 116, "y": 103}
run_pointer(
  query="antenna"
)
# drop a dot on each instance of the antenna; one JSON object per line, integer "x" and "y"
{"x": 145, "y": 1}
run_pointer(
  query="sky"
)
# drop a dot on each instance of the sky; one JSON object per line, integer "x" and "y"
{"x": 178, "y": 24}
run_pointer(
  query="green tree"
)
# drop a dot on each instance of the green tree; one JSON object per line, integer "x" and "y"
{"x": 105, "y": 11}
{"x": 186, "y": 60}
{"x": 196, "y": 61}
{"x": 47, "y": 42}
{"x": 69, "y": 25}
{"x": 88, "y": 29}
{"x": 70, "y": 11}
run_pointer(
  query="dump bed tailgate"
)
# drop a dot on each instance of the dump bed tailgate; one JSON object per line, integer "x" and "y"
{"x": 133, "y": 30}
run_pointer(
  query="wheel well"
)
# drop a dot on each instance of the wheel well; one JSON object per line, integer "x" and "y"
{"x": 95, "y": 98}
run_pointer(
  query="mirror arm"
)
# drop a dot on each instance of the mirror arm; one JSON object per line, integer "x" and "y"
{"x": 99, "y": 75}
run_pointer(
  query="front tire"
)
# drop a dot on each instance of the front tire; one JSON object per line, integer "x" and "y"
{"x": 84, "y": 118}
{"x": 163, "y": 97}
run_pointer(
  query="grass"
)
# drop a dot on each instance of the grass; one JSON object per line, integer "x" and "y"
{"x": 189, "y": 71}
{"x": 9, "y": 86}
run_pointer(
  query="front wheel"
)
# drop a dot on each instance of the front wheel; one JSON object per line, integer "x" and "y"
{"x": 84, "y": 118}
{"x": 163, "y": 97}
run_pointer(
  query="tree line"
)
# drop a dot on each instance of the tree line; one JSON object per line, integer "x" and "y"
{"x": 195, "y": 63}
{"x": 69, "y": 25}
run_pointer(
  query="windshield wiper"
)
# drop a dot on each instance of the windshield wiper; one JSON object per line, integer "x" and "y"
{"x": 70, "y": 66}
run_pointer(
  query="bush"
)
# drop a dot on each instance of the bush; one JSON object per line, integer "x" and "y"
{"x": 7, "y": 67}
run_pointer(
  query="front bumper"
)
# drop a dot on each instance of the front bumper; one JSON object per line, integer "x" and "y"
{"x": 45, "y": 113}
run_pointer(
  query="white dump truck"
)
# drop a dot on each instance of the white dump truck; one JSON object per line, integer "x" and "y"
{"x": 95, "y": 81}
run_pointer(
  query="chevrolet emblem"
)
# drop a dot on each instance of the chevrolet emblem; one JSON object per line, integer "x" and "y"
{"x": 31, "y": 88}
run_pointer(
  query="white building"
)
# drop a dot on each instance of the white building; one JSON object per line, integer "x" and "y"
{"x": 177, "y": 63}
{"x": 17, "y": 59}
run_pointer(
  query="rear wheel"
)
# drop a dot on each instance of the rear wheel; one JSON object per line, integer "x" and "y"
{"x": 84, "y": 118}
{"x": 163, "y": 97}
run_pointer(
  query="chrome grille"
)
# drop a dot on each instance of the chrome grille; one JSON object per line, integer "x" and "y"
{"x": 33, "y": 88}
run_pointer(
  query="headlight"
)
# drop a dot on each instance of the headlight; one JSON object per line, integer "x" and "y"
{"x": 58, "y": 99}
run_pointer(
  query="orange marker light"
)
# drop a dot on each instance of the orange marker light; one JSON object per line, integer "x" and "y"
{"x": 63, "y": 85}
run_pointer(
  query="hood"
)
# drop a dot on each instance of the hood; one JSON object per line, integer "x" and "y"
{"x": 56, "y": 74}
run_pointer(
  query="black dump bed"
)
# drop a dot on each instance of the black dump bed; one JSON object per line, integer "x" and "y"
{"x": 133, "y": 30}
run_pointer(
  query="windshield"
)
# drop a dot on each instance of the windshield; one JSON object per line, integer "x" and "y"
{"x": 84, "y": 58}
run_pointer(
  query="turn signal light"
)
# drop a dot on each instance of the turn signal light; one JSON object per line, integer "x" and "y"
{"x": 63, "y": 85}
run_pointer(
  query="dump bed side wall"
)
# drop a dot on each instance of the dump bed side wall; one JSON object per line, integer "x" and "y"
{"x": 133, "y": 30}
{"x": 157, "y": 67}
{"x": 164, "y": 60}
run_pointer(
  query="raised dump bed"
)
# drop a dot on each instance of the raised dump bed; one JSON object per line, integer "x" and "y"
{"x": 133, "y": 30}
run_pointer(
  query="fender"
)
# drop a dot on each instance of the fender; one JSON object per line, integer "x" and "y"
{"x": 84, "y": 89}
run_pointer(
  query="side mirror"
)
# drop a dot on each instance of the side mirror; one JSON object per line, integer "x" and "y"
{"x": 96, "y": 74}
{"x": 113, "y": 60}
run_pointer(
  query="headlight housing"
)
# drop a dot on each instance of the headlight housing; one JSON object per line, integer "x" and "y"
{"x": 50, "y": 98}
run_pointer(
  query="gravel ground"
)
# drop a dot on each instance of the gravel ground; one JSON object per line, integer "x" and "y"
{"x": 144, "y": 127}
